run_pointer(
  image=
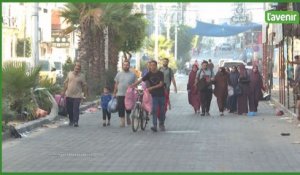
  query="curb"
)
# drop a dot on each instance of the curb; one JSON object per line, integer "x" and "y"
{"x": 31, "y": 125}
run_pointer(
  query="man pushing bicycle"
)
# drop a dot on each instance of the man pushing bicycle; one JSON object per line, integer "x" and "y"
{"x": 156, "y": 82}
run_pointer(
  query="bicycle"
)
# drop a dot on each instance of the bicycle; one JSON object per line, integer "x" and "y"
{"x": 139, "y": 116}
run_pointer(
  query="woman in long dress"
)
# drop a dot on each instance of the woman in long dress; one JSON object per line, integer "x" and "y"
{"x": 243, "y": 83}
{"x": 233, "y": 82}
{"x": 193, "y": 92}
{"x": 221, "y": 91}
{"x": 255, "y": 94}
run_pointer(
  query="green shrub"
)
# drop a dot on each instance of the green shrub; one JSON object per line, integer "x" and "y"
{"x": 17, "y": 83}
{"x": 52, "y": 88}
{"x": 7, "y": 113}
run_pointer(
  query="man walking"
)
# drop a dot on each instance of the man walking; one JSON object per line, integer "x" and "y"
{"x": 206, "y": 76}
{"x": 122, "y": 80}
{"x": 210, "y": 65}
{"x": 168, "y": 78}
{"x": 155, "y": 79}
{"x": 74, "y": 86}
{"x": 296, "y": 84}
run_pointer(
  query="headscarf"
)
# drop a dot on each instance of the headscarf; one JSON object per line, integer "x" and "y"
{"x": 233, "y": 77}
{"x": 192, "y": 75}
{"x": 195, "y": 65}
{"x": 254, "y": 75}
{"x": 243, "y": 71}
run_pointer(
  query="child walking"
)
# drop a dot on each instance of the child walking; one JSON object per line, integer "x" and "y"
{"x": 105, "y": 98}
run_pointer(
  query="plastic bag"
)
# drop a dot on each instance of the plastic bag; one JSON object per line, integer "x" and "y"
{"x": 61, "y": 102}
{"x": 130, "y": 98}
{"x": 147, "y": 101}
{"x": 230, "y": 91}
{"x": 238, "y": 90}
{"x": 112, "y": 106}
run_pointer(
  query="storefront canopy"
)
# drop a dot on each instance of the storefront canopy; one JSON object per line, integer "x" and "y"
{"x": 213, "y": 30}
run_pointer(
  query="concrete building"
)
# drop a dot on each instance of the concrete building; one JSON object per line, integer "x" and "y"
{"x": 18, "y": 24}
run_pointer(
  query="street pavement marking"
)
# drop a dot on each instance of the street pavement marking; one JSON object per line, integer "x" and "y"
{"x": 181, "y": 92}
{"x": 183, "y": 132}
{"x": 73, "y": 155}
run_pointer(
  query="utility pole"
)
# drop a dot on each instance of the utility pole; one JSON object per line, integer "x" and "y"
{"x": 156, "y": 33}
{"x": 106, "y": 41}
{"x": 35, "y": 44}
{"x": 176, "y": 33}
{"x": 168, "y": 26}
{"x": 24, "y": 37}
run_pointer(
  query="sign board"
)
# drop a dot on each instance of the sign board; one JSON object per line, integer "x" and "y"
{"x": 60, "y": 41}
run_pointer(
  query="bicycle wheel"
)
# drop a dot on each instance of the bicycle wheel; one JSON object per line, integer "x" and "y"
{"x": 144, "y": 119}
{"x": 135, "y": 118}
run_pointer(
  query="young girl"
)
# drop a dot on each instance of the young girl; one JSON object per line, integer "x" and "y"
{"x": 105, "y": 98}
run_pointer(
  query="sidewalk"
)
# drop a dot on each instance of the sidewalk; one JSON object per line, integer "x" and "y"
{"x": 52, "y": 117}
{"x": 275, "y": 99}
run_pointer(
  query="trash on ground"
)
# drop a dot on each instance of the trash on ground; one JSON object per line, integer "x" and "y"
{"x": 50, "y": 126}
{"x": 285, "y": 134}
{"x": 286, "y": 118}
{"x": 91, "y": 110}
{"x": 40, "y": 113}
{"x": 279, "y": 112}
{"x": 24, "y": 135}
{"x": 296, "y": 142}
{"x": 14, "y": 133}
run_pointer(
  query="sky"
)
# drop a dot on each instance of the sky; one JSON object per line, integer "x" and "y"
{"x": 218, "y": 11}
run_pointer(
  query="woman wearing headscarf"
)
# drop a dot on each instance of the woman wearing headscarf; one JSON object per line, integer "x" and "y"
{"x": 193, "y": 92}
{"x": 221, "y": 89}
{"x": 255, "y": 94}
{"x": 233, "y": 82}
{"x": 243, "y": 83}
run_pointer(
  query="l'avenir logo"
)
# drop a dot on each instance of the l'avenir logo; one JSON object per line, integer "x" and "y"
{"x": 282, "y": 17}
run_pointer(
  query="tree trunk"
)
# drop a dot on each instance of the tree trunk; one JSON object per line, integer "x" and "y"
{"x": 84, "y": 49}
{"x": 98, "y": 64}
{"x": 113, "y": 52}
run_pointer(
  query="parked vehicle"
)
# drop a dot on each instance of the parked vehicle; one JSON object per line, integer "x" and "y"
{"x": 47, "y": 70}
{"x": 59, "y": 68}
{"x": 221, "y": 61}
{"x": 225, "y": 46}
{"x": 231, "y": 63}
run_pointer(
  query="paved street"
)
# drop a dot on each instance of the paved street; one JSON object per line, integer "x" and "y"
{"x": 190, "y": 144}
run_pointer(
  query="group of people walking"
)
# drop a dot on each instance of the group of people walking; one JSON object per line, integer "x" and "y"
{"x": 237, "y": 90}
{"x": 158, "y": 83}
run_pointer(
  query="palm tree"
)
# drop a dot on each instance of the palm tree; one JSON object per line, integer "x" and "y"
{"x": 164, "y": 45}
{"x": 128, "y": 38}
{"x": 100, "y": 22}
{"x": 87, "y": 16}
